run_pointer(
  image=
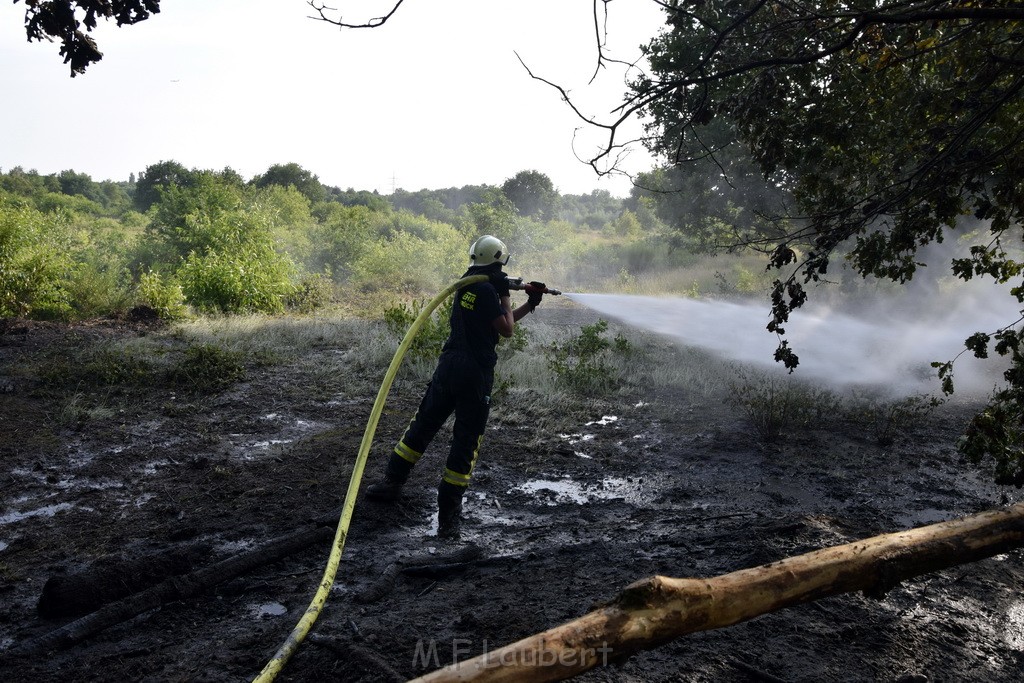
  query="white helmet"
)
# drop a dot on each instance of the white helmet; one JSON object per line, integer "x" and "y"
{"x": 487, "y": 250}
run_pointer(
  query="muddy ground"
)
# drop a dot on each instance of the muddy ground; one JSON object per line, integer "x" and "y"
{"x": 565, "y": 509}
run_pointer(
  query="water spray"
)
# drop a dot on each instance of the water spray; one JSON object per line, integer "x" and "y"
{"x": 889, "y": 346}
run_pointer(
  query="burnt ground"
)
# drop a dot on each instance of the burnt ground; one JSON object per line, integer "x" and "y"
{"x": 566, "y": 510}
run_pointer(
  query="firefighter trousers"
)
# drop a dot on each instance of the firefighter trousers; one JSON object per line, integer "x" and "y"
{"x": 459, "y": 386}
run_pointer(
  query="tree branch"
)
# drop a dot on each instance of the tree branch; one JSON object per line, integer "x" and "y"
{"x": 376, "y": 22}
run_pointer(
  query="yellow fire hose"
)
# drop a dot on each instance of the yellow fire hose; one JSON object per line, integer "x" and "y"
{"x": 291, "y": 644}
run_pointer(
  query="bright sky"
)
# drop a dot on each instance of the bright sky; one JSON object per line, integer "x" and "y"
{"x": 434, "y": 98}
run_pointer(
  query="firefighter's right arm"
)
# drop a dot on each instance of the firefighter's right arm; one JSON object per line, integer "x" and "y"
{"x": 505, "y": 323}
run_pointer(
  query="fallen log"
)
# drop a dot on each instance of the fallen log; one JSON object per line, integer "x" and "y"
{"x": 659, "y": 609}
{"x": 111, "y": 578}
{"x": 172, "y": 589}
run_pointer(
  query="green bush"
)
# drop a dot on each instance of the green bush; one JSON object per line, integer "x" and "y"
{"x": 102, "y": 365}
{"x": 885, "y": 419}
{"x": 432, "y": 335}
{"x": 742, "y": 282}
{"x": 288, "y": 214}
{"x": 100, "y": 282}
{"x": 35, "y": 262}
{"x": 97, "y": 289}
{"x": 774, "y": 404}
{"x": 408, "y": 264}
{"x": 166, "y": 298}
{"x": 112, "y": 365}
{"x": 435, "y": 330}
{"x": 245, "y": 282}
{"x": 640, "y": 257}
{"x": 208, "y": 367}
{"x": 312, "y": 293}
{"x": 209, "y": 215}
{"x": 508, "y": 347}
{"x": 341, "y": 237}
{"x": 55, "y": 202}
{"x": 582, "y": 362}
{"x": 219, "y": 244}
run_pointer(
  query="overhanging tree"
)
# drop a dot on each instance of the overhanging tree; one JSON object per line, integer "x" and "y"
{"x": 892, "y": 123}
{"x": 63, "y": 20}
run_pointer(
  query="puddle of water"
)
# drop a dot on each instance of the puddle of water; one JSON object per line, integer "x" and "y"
{"x": 1014, "y": 635}
{"x": 233, "y": 547}
{"x": 269, "y": 609}
{"x": 80, "y": 459}
{"x": 912, "y": 520}
{"x": 577, "y": 438}
{"x": 151, "y": 467}
{"x": 268, "y": 444}
{"x": 64, "y": 483}
{"x": 97, "y": 485}
{"x": 22, "y": 472}
{"x": 488, "y": 522}
{"x": 565, "y": 491}
{"x": 47, "y": 511}
{"x": 570, "y": 491}
{"x": 335, "y": 402}
{"x": 574, "y": 439}
{"x": 285, "y": 435}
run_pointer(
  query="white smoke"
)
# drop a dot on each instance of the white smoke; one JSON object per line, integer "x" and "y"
{"x": 891, "y": 347}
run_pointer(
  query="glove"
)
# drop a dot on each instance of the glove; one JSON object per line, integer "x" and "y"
{"x": 535, "y": 292}
{"x": 500, "y": 282}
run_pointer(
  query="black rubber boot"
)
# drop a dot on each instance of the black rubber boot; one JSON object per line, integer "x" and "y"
{"x": 449, "y": 511}
{"x": 395, "y": 474}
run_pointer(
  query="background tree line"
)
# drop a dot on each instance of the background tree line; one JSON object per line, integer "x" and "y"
{"x": 177, "y": 239}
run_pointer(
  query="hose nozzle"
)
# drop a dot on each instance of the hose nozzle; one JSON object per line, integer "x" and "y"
{"x": 518, "y": 284}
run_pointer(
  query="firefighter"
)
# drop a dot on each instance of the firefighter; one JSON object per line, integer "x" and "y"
{"x": 461, "y": 384}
